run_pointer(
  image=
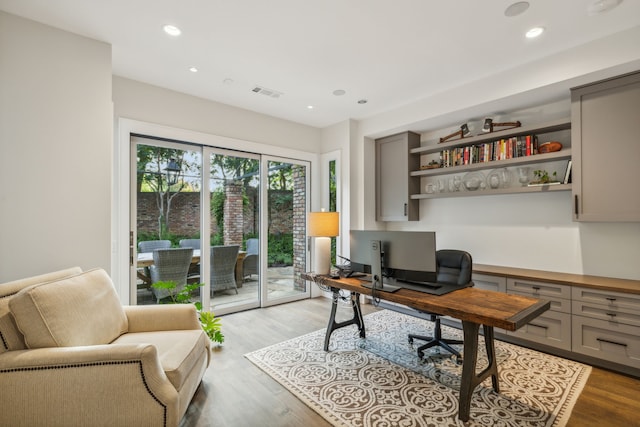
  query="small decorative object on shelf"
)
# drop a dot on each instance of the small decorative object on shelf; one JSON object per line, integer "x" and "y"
{"x": 463, "y": 132}
{"x": 549, "y": 147}
{"x": 542, "y": 178}
{"x": 494, "y": 179}
{"x": 523, "y": 175}
{"x": 433, "y": 164}
{"x": 489, "y": 125}
{"x": 474, "y": 181}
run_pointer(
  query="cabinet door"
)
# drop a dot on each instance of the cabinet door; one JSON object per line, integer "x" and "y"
{"x": 607, "y": 340}
{"x": 551, "y": 328}
{"x": 489, "y": 282}
{"x": 393, "y": 183}
{"x": 606, "y": 150}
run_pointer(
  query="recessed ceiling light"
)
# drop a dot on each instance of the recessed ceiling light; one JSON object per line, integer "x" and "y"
{"x": 339, "y": 92}
{"x": 516, "y": 9}
{"x": 193, "y": 69}
{"x": 310, "y": 107}
{"x": 228, "y": 81}
{"x": 362, "y": 101}
{"x": 534, "y": 32}
{"x": 172, "y": 30}
{"x": 601, "y": 6}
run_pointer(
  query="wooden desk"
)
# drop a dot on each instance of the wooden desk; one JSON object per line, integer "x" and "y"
{"x": 473, "y": 306}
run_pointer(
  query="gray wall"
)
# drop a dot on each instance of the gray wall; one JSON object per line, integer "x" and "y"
{"x": 55, "y": 149}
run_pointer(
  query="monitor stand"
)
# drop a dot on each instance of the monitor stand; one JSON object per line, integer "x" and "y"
{"x": 377, "y": 282}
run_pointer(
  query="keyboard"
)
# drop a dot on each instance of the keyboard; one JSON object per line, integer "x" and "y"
{"x": 430, "y": 287}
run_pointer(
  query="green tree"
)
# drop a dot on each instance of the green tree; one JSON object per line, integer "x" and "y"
{"x": 151, "y": 175}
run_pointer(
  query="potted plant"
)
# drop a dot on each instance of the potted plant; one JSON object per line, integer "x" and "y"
{"x": 542, "y": 177}
{"x": 210, "y": 324}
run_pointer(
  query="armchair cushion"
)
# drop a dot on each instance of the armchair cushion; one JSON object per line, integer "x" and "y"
{"x": 79, "y": 310}
{"x": 10, "y": 337}
{"x": 179, "y": 351}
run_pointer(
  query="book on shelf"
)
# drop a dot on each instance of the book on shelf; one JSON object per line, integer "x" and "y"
{"x": 500, "y": 149}
{"x": 567, "y": 174}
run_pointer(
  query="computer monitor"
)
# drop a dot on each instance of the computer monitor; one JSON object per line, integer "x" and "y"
{"x": 403, "y": 257}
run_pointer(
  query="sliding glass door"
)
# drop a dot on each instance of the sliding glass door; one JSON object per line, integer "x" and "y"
{"x": 166, "y": 211}
{"x": 234, "y": 200}
{"x": 286, "y": 200}
{"x": 211, "y": 201}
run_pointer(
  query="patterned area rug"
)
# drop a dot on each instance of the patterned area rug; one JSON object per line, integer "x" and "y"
{"x": 379, "y": 381}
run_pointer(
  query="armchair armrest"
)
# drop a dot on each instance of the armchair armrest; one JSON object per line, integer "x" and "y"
{"x": 72, "y": 385}
{"x": 171, "y": 317}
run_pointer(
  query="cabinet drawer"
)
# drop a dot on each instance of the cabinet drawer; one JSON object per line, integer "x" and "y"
{"x": 551, "y": 328}
{"x": 490, "y": 283}
{"x": 557, "y": 304}
{"x": 613, "y": 300}
{"x": 609, "y": 313}
{"x": 611, "y": 341}
{"x": 539, "y": 289}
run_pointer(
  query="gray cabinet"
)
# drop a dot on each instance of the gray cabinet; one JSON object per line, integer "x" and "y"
{"x": 606, "y": 325}
{"x": 606, "y": 150}
{"x": 393, "y": 184}
{"x": 552, "y": 327}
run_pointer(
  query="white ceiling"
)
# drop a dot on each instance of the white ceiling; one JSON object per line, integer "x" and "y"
{"x": 390, "y": 53}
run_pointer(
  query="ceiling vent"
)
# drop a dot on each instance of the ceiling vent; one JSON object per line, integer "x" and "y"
{"x": 267, "y": 92}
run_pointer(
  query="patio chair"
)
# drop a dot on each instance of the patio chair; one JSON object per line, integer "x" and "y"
{"x": 152, "y": 245}
{"x": 190, "y": 243}
{"x": 250, "y": 263}
{"x": 223, "y": 266}
{"x": 149, "y": 246}
{"x": 170, "y": 265}
{"x": 194, "y": 269}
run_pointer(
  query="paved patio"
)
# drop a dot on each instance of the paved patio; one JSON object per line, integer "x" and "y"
{"x": 279, "y": 284}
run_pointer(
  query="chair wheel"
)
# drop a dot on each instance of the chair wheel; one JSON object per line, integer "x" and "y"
{"x": 458, "y": 360}
{"x": 410, "y": 340}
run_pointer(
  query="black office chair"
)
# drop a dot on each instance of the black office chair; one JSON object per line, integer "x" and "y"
{"x": 453, "y": 267}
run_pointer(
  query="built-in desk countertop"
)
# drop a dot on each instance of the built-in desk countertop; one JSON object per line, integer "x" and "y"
{"x": 586, "y": 281}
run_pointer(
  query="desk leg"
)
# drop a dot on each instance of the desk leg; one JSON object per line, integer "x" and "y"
{"x": 356, "y": 320}
{"x": 470, "y": 379}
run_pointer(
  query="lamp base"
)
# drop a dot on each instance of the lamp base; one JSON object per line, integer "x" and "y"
{"x": 322, "y": 255}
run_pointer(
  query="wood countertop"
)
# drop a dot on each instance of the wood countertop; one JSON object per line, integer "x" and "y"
{"x": 586, "y": 281}
{"x": 506, "y": 311}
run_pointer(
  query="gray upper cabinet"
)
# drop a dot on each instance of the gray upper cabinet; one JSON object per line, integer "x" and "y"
{"x": 605, "y": 137}
{"x": 393, "y": 183}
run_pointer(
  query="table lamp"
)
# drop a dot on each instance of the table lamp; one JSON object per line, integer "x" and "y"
{"x": 322, "y": 226}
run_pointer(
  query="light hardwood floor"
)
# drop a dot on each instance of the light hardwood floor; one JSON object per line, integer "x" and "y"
{"x": 235, "y": 393}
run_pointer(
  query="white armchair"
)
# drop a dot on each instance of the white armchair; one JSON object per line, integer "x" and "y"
{"x": 71, "y": 354}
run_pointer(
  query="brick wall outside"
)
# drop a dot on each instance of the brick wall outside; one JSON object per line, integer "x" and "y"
{"x": 299, "y": 225}
{"x": 184, "y": 219}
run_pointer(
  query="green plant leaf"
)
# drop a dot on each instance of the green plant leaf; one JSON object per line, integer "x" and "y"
{"x": 211, "y": 325}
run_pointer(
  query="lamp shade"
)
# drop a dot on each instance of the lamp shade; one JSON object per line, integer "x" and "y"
{"x": 323, "y": 224}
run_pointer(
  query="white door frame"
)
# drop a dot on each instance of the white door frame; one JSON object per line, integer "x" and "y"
{"x": 122, "y": 272}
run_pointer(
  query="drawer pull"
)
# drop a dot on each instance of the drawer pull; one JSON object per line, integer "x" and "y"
{"x": 611, "y": 299}
{"x": 611, "y": 314}
{"x": 539, "y": 326}
{"x": 611, "y": 342}
{"x": 535, "y": 288}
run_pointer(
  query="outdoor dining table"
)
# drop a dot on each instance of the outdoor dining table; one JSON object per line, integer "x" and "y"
{"x": 145, "y": 259}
